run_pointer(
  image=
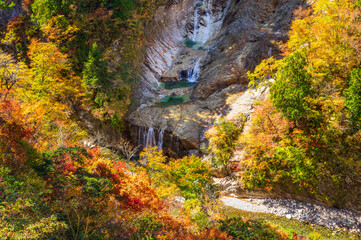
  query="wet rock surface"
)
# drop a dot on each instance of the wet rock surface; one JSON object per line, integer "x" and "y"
{"x": 217, "y": 42}
{"x": 304, "y": 212}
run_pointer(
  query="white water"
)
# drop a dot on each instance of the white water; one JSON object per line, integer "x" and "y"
{"x": 160, "y": 138}
{"x": 150, "y": 140}
{"x": 201, "y": 34}
{"x": 195, "y": 24}
{"x": 193, "y": 73}
{"x": 207, "y": 30}
{"x": 147, "y": 137}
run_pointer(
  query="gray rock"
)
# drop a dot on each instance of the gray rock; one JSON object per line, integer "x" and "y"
{"x": 243, "y": 33}
{"x": 306, "y": 212}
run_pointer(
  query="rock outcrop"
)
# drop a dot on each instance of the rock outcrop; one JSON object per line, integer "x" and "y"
{"x": 226, "y": 39}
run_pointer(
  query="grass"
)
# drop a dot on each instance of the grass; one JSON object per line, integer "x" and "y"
{"x": 177, "y": 84}
{"x": 172, "y": 100}
{"x": 290, "y": 226}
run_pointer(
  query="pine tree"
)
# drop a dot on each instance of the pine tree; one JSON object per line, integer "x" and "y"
{"x": 95, "y": 75}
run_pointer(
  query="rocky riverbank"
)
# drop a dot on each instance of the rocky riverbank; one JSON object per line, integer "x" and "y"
{"x": 304, "y": 212}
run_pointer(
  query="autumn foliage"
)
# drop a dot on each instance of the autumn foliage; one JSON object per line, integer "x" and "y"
{"x": 303, "y": 139}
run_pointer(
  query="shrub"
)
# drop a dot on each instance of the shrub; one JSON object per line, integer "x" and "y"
{"x": 249, "y": 230}
{"x": 223, "y": 140}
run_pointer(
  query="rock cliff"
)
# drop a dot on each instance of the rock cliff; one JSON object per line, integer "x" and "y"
{"x": 195, "y": 65}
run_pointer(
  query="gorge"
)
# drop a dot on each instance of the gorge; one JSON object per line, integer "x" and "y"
{"x": 180, "y": 119}
{"x": 196, "y": 60}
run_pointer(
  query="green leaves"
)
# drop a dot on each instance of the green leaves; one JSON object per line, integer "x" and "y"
{"x": 248, "y": 230}
{"x": 6, "y": 6}
{"x": 292, "y": 88}
{"x": 95, "y": 75}
{"x": 223, "y": 139}
{"x": 190, "y": 175}
{"x": 97, "y": 186}
{"x": 353, "y": 98}
{"x": 46, "y": 9}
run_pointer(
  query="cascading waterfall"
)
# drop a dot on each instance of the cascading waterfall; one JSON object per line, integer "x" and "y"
{"x": 195, "y": 24}
{"x": 147, "y": 137}
{"x": 207, "y": 30}
{"x": 202, "y": 33}
{"x": 193, "y": 73}
{"x": 207, "y": 20}
{"x": 160, "y": 138}
{"x": 200, "y": 36}
{"x": 150, "y": 140}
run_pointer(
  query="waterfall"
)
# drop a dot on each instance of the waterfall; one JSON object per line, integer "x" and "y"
{"x": 160, "y": 138}
{"x": 144, "y": 140}
{"x": 195, "y": 24}
{"x": 207, "y": 30}
{"x": 193, "y": 73}
{"x": 150, "y": 140}
{"x": 147, "y": 137}
{"x": 201, "y": 34}
{"x": 140, "y": 131}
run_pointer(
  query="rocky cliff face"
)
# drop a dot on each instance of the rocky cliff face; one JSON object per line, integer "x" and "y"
{"x": 195, "y": 66}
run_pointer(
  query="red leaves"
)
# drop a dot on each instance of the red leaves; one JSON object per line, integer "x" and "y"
{"x": 296, "y": 237}
{"x": 12, "y": 132}
{"x": 135, "y": 204}
{"x": 94, "y": 152}
{"x": 69, "y": 167}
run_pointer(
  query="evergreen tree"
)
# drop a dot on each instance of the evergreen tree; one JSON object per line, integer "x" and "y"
{"x": 95, "y": 75}
{"x": 292, "y": 88}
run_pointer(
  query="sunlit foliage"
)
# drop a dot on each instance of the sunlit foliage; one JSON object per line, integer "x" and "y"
{"x": 306, "y": 135}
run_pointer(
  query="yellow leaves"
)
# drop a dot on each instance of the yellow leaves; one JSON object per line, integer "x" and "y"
{"x": 297, "y": 131}
{"x": 10, "y": 72}
{"x": 138, "y": 186}
{"x": 59, "y": 30}
{"x": 263, "y": 72}
{"x": 51, "y": 73}
{"x": 46, "y": 91}
{"x": 323, "y": 37}
{"x": 75, "y": 191}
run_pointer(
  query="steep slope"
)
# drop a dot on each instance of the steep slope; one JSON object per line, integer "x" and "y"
{"x": 195, "y": 67}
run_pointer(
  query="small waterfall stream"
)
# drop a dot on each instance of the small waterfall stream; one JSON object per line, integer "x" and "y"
{"x": 207, "y": 20}
{"x": 193, "y": 73}
{"x": 195, "y": 24}
{"x": 160, "y": 138}
{"x": 150, "y": 140}
{"x": 148, "y": 137}
{"x": 202, "y": 33}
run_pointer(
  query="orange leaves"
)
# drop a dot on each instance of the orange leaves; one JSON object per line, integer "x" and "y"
{"x": 94, "y": 152}
{"x": 59, "y": 30}
{"x": 133, "y": 190}
{"x": 268, "y": 127}
{"x": 301, "y": 13}
{"x": 13, "y": 131}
